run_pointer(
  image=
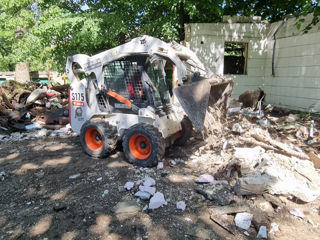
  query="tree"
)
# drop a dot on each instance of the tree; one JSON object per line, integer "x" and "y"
{"x": 56, "y": 29}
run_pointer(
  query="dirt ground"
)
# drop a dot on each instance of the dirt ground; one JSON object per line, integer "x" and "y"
{"x": 52, "y": 190}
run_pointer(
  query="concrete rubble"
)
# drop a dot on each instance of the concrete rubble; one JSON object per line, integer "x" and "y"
{"x": 150, "y": 190}
{"x": 297, "y": 213}
{"x": 181, "y": 205}
{"x": 205, "y": 178}
{"x": 262, "y": 153}
{"x": 243, "y": 220}
{"x": 262, "y": 232}
{"x": 129, "y": 185}
{"x": 250, "y": 155}
{"x": 157, "y": 201}
{"x": 142, "y": 195}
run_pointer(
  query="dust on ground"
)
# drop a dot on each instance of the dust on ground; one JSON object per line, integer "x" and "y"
{"x": 52, "y": 190}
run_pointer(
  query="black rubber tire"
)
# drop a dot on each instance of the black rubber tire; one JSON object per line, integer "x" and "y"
{"x": 108, "y": 134}
{"x": 156, "y": 141}
{"x": 187, "y": 130}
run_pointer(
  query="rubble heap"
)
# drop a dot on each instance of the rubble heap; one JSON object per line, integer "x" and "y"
{"x": 29, "y": 106}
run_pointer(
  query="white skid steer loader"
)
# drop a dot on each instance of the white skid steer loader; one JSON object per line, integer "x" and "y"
{"x": 126, "y": 95}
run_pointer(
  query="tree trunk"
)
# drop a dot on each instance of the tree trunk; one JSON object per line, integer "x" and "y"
{"x": 183, "y": 18}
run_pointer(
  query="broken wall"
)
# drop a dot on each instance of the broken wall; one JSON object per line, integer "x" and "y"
{"x": 296, "y": 82}
{"x": 207, "y": 40}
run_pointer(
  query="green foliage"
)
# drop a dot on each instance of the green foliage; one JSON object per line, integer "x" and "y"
{"x": 55, "y": 29}
{"x": 310, "y": 6}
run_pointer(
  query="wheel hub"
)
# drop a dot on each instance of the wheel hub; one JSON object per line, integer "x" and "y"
{"x": 98, "y": 138}
{"x": 143, "y": 145}
{"x": 140, "y": 146}
{"x": 93, "y": 139}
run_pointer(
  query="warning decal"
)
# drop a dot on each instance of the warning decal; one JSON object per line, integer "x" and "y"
{"x": 77, "y": 103}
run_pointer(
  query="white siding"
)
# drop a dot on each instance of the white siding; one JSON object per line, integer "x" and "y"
{"x": 207, "y": 41}
{"x": 296, "y": 84}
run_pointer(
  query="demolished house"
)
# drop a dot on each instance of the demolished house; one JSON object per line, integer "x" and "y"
{"x": 277, "y": 57}
{"x": 244, "y": 156}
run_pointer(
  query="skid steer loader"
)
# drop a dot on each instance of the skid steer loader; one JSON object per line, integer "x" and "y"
{"x": 129, "y": 94}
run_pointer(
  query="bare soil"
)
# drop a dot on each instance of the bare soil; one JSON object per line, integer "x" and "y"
{"x": 39, "y": 200}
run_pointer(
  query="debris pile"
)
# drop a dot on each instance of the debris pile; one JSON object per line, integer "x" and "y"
{"x": 257, "y": 154}
{"x": 29, "y": 106}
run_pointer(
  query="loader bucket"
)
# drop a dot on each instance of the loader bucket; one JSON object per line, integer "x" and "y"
{"x": 197, "y": 96}
{"x": 194, "y": 101}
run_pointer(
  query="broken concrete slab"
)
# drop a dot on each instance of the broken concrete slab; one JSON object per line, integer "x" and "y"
{"x": 232, "y": 208}
{"x": 243, "y": 220}
{"x": 224, "y": 221}
{"x": 276, "y": 174}
{"x": 220, "y": 193}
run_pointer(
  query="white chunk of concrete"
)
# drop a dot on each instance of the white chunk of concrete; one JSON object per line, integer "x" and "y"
{"x": 151, "y": 190}
{"x": 205, "y": 178}
{"x": 157, "y": 201}
{"x": 149, "y": 182}
{"x": 143, "y": 195}
{"x": 297, "y": 213}
{"x": 181, "y": 205}
{"x": 262, "y": 232}
{"x": 243, "y": 220}
{"x": 160, "y": 165}
{"x": 129, "y": 185}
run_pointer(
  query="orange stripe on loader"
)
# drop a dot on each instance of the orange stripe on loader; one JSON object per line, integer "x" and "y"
{"x": 119, "y": 98}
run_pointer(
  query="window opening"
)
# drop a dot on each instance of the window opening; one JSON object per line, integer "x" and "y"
{"x": 235, "y": 58}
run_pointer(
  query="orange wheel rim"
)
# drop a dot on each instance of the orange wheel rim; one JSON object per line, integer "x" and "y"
{"x": 140, "y": 146}
{"x": 93, "y": 139}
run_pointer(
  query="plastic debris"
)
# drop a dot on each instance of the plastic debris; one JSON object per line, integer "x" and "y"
{"x": 99, "y": 179}
{"x": 181, "y": 205}
{"x": 157, "y": 201}
{"x": 129, "y": 185}
{"x": 243, "y": 220}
